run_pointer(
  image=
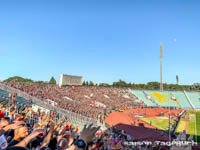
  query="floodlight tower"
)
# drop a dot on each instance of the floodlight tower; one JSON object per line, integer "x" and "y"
{"x": 177, "y": 79}
{"x": 161, "y": 57}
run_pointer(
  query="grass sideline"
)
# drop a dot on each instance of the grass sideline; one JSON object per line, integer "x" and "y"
{"x": 181, "y": 126}
{"x": 191, "y": 128}
{"x": 160, "y": 123}
{"x": 198, "y": 125}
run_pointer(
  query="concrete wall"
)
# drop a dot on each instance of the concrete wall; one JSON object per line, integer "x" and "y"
{"x": 70, "y": 80}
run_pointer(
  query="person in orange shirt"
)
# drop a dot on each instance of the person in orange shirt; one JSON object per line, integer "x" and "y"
{"x": 77, "y": 129}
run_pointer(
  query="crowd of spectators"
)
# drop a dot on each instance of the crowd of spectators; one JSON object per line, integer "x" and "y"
{"x": 81, "y": 100}
{"x": 26, "y": 129}
{"x": 21, "y": 131}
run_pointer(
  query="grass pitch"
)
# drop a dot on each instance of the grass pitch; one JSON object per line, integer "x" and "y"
{"x": 163, "y": 124}
{"x": 160, "y": 123}
{"x": 194, "y": 117}
{"x": 181, "y": 126}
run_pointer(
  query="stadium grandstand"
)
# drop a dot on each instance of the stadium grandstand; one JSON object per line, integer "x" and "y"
{"x": 120, "y": 113}
{"x": 179, "y": 99}
{"x": 99, "y": 75}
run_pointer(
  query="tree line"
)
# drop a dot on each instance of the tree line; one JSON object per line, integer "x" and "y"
{"x": 147, "y": 86}
{"x": 118, "y": 84}
{"x": 29, "y": 81}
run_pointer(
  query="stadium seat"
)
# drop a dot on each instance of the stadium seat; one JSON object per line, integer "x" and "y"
{"x": 182, "y": 99}
{"x": 195, "y": 98}
{"x": 142, "y": 97}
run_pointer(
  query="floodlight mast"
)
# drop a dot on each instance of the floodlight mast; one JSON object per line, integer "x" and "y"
{"x": 177, "y": 79}
{"x": 161, "y": 88}
{"x": 161, "y": 57}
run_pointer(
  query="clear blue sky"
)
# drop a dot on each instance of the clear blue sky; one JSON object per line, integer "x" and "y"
{"x": 102, "y": 40}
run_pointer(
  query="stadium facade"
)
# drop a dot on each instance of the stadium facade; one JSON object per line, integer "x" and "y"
{"x": 70, "y": 80}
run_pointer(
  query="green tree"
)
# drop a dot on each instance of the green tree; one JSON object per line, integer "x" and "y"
{"x": 52, "y": 80}
{"x": 19, "y": 79}
{"x": 153, "y": 85}
{"x": 42, "y": 82}
{"x": 120, "y": 83}
{"x": 104, "y": 85}
{"x": 91, "y": 83}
